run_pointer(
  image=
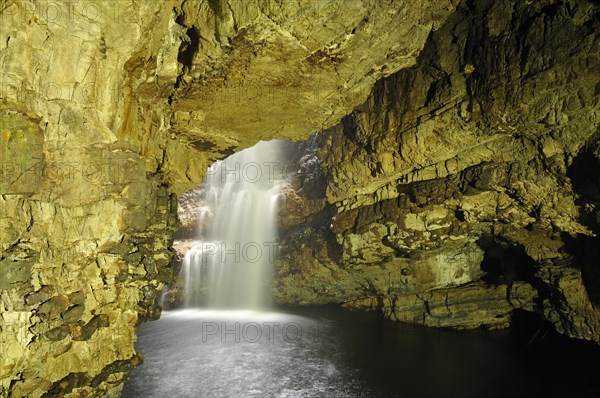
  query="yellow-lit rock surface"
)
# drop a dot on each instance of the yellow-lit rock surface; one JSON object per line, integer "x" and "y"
{"x": 439, "y": 125}
{"x": 468, "y": 185}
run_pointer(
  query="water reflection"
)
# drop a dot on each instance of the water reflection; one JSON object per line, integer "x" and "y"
{"x": 326, "y": 352}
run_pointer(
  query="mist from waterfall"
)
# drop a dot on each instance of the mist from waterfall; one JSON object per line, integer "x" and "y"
{"x": 231, "y": 264}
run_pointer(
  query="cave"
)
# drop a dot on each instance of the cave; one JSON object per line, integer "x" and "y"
{"x": 431, "y": 227}
{"x": 504, "y": 264}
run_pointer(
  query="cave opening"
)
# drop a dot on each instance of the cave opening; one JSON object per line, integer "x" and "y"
{"x": 506, "y": 262}
{"x": 227, "y": 244}
{"x": 203, "y": 346}
{"x": 584, "y": 173}
{"x": 363, "y": 274}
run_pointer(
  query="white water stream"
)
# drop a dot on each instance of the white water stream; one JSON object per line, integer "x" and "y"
{"x": 231, "y": 266}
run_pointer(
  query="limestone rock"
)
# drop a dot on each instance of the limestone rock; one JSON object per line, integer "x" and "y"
{"x": 458, "y": 122}
{"x": 109, "y": 109}
{"x": 460, "y": 182}
{"x": 334, "y": 51}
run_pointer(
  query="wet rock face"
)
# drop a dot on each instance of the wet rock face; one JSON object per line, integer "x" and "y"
{"x": 310, "y": 58}
{"x": 482, "y": 122}
{"x": 466, "y": 186}
{"x": 110, "y": 109}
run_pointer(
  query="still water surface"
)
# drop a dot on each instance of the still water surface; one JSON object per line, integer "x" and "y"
{"x": 328, "y": 352}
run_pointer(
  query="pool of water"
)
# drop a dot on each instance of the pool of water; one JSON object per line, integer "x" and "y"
{"x": 329, "y": 352}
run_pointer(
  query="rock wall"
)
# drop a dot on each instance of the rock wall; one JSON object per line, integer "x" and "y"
{"x": 108, "y": 109}
{"x": 477, "y": 144}
{"x": 466, "y": 186}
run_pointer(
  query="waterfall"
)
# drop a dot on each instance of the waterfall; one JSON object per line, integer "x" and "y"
{"x": 231, "y": 264}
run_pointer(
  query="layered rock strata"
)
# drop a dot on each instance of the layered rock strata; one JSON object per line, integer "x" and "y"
{"x": 466, "y": 186}
{"x": 109, "y": 109}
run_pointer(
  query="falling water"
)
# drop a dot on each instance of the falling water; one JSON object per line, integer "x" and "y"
{"x": 318, "y": 352}
{"x": 230, "y": 266}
